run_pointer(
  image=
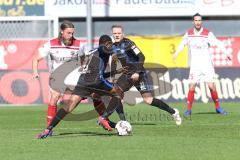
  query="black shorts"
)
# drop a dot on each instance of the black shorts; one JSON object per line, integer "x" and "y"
{"x": 125, "y": 83}
{"x": 102, "y": 87}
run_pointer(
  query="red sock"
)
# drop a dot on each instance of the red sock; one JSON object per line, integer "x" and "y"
{"x": 215, "y": 98}
{"x": 52, "y": 110}
{"x": 190, "y": 99}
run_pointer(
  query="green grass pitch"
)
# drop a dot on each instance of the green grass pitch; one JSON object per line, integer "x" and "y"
{"x": 206, "y": 136}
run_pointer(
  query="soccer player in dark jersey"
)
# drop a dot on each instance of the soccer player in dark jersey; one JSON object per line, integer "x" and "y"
{"x": 131, "y": 57}
{"x": 91, "y": 83}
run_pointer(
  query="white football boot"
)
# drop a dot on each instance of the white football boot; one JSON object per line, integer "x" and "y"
{"x": 176, "y": 117}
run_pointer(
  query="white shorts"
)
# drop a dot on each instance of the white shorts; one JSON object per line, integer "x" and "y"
{"x": 201, "y": 75}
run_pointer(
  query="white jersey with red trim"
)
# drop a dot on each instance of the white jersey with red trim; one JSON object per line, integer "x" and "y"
{"x": 198, "y": 43}
{"x": 57, "y": 53}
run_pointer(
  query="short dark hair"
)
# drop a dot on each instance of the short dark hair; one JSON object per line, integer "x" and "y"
{"x": 197, "y": 14}
{"x": 104, "y": 38}
{"x": 117, "y": 26}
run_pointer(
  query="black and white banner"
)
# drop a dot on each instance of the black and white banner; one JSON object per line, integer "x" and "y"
{"x": 172, "y": 86}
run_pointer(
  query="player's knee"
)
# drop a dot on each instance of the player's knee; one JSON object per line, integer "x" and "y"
{"x": 96, "y": 96}
{"x": 212, "y": 87}
{"x": 192, "y": 87}
{"x": 148, "y": 100}
{"x": 118, "y": 91}
{"x": 53, "y": 101}
{"x": 67, "y": 109}
{"x": 71, "y": 106}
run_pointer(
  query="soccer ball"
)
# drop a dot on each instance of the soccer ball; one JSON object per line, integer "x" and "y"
{"x": 124, "y": 128}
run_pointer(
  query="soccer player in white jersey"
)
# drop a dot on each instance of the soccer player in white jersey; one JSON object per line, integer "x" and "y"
{"x": 58, "y": 50}
{"x": 198, "y": 40}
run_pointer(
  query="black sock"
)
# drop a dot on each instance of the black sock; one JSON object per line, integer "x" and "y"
{"x": 161, "y": 105}
{"x": 112, "y": 124}
{"x": 59, "y": 116}
{"x": 120, "y": 112}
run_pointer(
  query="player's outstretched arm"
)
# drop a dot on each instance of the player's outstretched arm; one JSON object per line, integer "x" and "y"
{"x": 35, "y": 62}
{"x": 42, "y": 53}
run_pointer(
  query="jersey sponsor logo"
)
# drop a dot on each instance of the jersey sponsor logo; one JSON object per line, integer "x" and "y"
{"x": 136, "y": 51}
{"x": 143, "y": 86}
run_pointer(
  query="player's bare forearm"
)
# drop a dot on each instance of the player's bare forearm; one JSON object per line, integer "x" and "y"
{"x": 35, "y": 66}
